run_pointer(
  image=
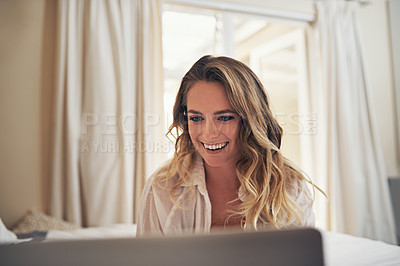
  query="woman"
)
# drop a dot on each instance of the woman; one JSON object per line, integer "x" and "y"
{"x": 227, "y": 169}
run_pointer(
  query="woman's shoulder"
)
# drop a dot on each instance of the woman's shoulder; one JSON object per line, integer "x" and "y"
{"x": 168, "y": 175}
{"x": 299, "y": 189}
{"x": 297, "y": 183}
{"x": 155, "y": 202}
{"x": 156, "y": 191}
{"x": 159, "y": 180}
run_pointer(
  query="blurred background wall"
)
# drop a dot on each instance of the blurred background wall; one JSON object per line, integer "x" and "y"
{"x": 23, "y": 100}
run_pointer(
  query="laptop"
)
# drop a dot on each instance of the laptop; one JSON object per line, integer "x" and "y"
{"x": 283, "y": 247}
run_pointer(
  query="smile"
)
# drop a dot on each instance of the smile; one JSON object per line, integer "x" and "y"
{"x": 215, "y": 147}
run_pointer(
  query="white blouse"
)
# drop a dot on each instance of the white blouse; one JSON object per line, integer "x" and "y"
{"x": 158, "y": 215}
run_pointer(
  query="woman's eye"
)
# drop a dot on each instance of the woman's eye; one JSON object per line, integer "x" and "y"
{"x": 225, "y": 118}
{"x": 196, "y": 118}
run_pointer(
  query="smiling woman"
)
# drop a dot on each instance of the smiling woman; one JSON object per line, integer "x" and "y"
{"x": 213, "y": 126}
{"x": 227, "y": 169}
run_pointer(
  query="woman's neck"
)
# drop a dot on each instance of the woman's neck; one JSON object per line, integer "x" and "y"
{"x": 223, "y": 177}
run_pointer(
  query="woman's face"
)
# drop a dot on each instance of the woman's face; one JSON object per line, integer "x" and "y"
{"x": 213, "y": 125}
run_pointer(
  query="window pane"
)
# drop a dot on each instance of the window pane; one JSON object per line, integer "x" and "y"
{"x": 268, "y": 48}
{"x": 187, "y": 36}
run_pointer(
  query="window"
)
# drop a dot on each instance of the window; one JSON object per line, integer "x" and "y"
{"x": 276, "y": 52}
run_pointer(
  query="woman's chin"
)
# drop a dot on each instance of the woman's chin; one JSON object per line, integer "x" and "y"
{"x": 218, "y": 161}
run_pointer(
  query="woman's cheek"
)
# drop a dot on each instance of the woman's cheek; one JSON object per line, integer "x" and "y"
{"x": 194, "y": 133}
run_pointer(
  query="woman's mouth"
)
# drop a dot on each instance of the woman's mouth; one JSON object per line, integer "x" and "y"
{"x": 215, "y": 147}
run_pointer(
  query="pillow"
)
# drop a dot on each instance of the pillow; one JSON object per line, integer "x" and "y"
{"x": 7, "y": 237}
{"x": 34, "y": 220}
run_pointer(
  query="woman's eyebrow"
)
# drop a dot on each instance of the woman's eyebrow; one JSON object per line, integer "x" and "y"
{"x": 215, "y": 113}
{"x": 194, "y": 112}
{"x": 224, "y": 112}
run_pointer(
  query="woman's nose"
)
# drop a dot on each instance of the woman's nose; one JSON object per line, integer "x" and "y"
{"x": 210, "y": 130}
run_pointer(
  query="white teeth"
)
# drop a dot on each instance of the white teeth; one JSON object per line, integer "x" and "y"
{"x": 215, "y": 146}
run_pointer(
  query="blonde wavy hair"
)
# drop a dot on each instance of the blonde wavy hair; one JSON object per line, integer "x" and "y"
{"x": 263, "y": 172}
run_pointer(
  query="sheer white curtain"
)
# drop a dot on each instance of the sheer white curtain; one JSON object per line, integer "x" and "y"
{"x": 107, "y": 108}
{"x": 348, "y": 159}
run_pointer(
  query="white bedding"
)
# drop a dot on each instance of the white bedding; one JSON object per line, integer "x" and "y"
{"x": 342, "y": 249}
{"x": 113, "y": 231}
{"x": 339, "y": 249}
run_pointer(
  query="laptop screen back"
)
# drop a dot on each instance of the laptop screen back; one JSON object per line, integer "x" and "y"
{"x": 285, "y": 247}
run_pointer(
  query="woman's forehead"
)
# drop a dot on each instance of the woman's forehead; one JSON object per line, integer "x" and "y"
{"x": 209, "y": 97}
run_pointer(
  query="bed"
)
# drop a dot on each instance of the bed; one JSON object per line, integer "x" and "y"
{"x": 338, "y": 249}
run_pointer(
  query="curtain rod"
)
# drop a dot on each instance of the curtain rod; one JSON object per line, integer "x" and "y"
{"x": 361, "y": 2}
{"x": 247, "y": 9}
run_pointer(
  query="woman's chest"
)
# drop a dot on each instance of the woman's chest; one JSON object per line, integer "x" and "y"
{"x": 224, "y": 208}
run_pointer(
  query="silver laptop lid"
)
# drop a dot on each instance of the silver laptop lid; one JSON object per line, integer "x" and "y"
{"x": 284, "y": 247}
